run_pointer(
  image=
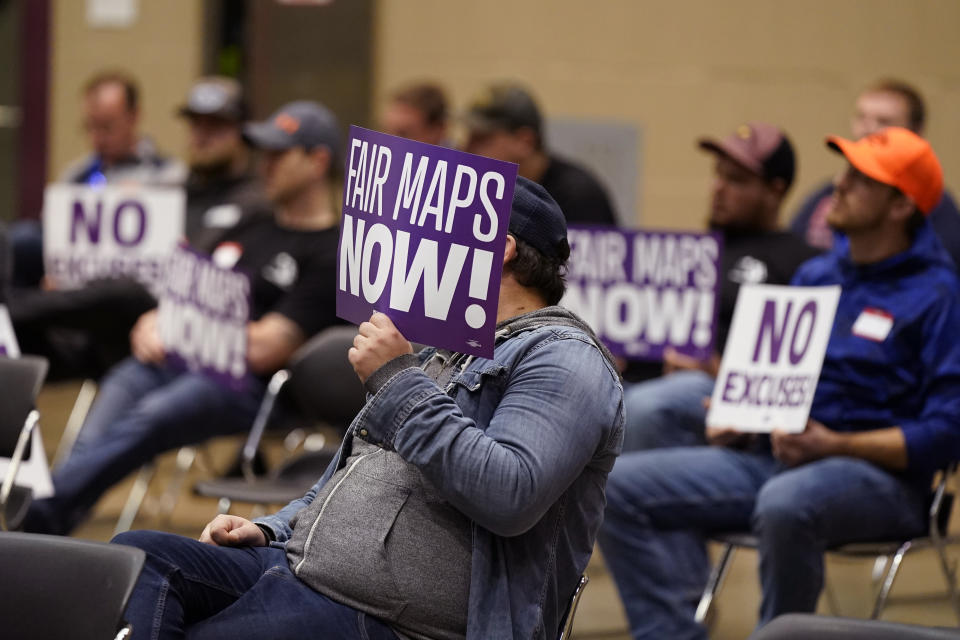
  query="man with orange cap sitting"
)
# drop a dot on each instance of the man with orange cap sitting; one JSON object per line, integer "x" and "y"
{"x": 885, "y": 417}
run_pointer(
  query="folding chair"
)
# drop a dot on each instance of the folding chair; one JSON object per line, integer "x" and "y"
{"x": 59, "y": 587}
{"x": 808, "y": 626}
{"x": 936, "y": 539}
{"x": 20, "y": 379}
{"x": 567, "y": 628}
{"x": 325, "y": 389}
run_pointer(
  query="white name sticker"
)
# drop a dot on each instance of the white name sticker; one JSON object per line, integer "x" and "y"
{"x": 873, "y": 324}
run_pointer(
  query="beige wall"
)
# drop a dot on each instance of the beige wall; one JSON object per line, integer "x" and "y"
{"x": 162, "y": 49}
{"x": 682, "y": 68}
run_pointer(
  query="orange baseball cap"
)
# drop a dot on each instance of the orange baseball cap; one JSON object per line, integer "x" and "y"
{"x": 897, "y": 157}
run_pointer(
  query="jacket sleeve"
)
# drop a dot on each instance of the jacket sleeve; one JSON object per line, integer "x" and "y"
{"x": 933, "y": 437}
{"x": 278, "y": 523}
{"x": 561, "y": 402}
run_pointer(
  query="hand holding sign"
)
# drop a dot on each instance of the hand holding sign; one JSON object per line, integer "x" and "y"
{"x": 377, "y": 343}
{"x": 813, "y": 443}
{"x": 422, "y": 239}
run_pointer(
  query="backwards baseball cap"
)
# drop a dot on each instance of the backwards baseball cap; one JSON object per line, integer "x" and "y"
{"x": 536, "y": 218}
{"x": 897, "y": 157}
{"x": 296, "y": 124}
{"x": 760, "y": 147}
{"x": 215, "y": 96}
{"x": 504, "y": 107}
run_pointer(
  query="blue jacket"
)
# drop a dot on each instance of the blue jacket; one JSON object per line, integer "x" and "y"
{"x": 911, "y": 379}
{"x": 522, "y": 445}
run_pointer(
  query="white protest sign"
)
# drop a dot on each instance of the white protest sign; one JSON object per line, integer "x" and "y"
{"x": 202, "y": 318}
{"x": 109, "y": 231}
{"x": 34, "y": 472}
{"x": 8, "y": 339}
{"x": 771, "y": 364}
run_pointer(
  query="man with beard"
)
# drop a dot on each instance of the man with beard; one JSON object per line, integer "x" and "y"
{"x": 753, "y": 170}
{"x": 885, "y": 416}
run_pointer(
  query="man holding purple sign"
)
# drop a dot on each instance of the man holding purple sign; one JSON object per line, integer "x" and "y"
{"x": 464, "y": 501}
{"x": 753, "y": 172}
{"x": 146, "y": 405}
{"x": 885, "y": 417}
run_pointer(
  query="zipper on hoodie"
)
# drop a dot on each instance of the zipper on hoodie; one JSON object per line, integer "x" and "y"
{"x": 323, "y": 507}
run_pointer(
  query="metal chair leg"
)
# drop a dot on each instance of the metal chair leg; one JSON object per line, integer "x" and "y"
{"x": 889, "y": 577}
{"x": 717, "y": 576}
{"x": 81, "y": 407}
{"x": 949, "y": 572}
{"x": 135, "y": 499}
{"x": 168, "y": 501}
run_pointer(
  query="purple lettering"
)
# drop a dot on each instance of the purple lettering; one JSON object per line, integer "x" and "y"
{"x": 809, "y": 309}
{"x": 80, "y": 219}
{"x": 141, "y": 223}
{"x": 768, "y": 324}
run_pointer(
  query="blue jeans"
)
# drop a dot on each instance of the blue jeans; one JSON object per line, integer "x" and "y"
{"x": 199, "y": 591}
{"x": 661, "y": 504}
{"x": 666, "y": 411}
{"x": 140, "y": 412}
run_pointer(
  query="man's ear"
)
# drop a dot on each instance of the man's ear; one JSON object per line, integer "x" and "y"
{"x": 510, "y": 252}
{"x": 321, "y": 158}
{"x": 902, "y": 208}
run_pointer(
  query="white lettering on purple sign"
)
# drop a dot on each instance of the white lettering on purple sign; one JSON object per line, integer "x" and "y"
{"x": 643, "y": 291}
{"x": 203, "y": 315}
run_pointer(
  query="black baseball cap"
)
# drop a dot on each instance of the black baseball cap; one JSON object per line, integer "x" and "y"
{"x": 536, "y": 218}
{"x": 504, "y": 107}
{"x": 297, "y": 124}
{"x": 215, "y": 96}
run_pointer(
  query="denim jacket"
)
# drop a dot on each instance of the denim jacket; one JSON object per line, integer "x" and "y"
{"x": 522, "y": 445}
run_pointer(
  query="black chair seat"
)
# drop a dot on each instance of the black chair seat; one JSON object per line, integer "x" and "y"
{"x": 289, "y": 482}
{"x": 59, "y": 587}
{"x": 812, "y": 627}
{"x": 866, "y": 549}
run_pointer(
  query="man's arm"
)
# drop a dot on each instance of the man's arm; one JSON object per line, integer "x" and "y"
{"x": 884, "y": 447}
{"x": 559, "y": 401}
{"x": 271, "y": 341}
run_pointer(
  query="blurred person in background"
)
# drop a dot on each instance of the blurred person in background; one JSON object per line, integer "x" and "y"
{"x": 120, "y": 154}
{"x": 223, "y": 188}
{"x": 753, "y": 171}
{"x": 83, "y": 332}
{"x": 885, "y": 103}
{"x": 418, "y": 111}
{"x": 504, "y": 122}
{"x": 885, "y": 417}
{"x": 146, "y": 407}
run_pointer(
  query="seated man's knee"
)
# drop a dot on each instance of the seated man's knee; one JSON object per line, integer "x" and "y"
{"x": 781, "y": 508}
{"x": 142, "y": 539}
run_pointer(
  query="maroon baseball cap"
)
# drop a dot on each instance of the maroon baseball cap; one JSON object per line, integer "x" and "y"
{"x": 760, "y": 147}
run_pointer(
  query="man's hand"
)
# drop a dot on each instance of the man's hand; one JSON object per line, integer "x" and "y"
{"x": 145, "y": 340}
{"x": 377, "y": 343}
{"x": 673, "y": 360}
{"x": 815, "y": 442}
{"x": 233, "y": 531}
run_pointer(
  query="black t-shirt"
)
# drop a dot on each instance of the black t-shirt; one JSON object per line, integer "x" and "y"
{"x": 755, "y": 257}
{"x": 580, "y": 196}
{"x": 215, "y": 204}
{"x": 292, "y": 272}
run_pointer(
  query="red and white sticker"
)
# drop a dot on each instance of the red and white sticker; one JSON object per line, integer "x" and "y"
{"x": 873, "y": 324}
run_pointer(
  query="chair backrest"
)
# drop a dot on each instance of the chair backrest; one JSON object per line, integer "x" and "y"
{"x": 803, "y": 626}
{"x": 57, "y": 587}
{"x": 20, "y": 381}
{"x": 322, "y": 382}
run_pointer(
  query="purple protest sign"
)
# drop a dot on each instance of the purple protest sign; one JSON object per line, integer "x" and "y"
{"x": 643, "y": 291}
{"x": 202, "y": 318}
{"x": 422, "y": 239}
